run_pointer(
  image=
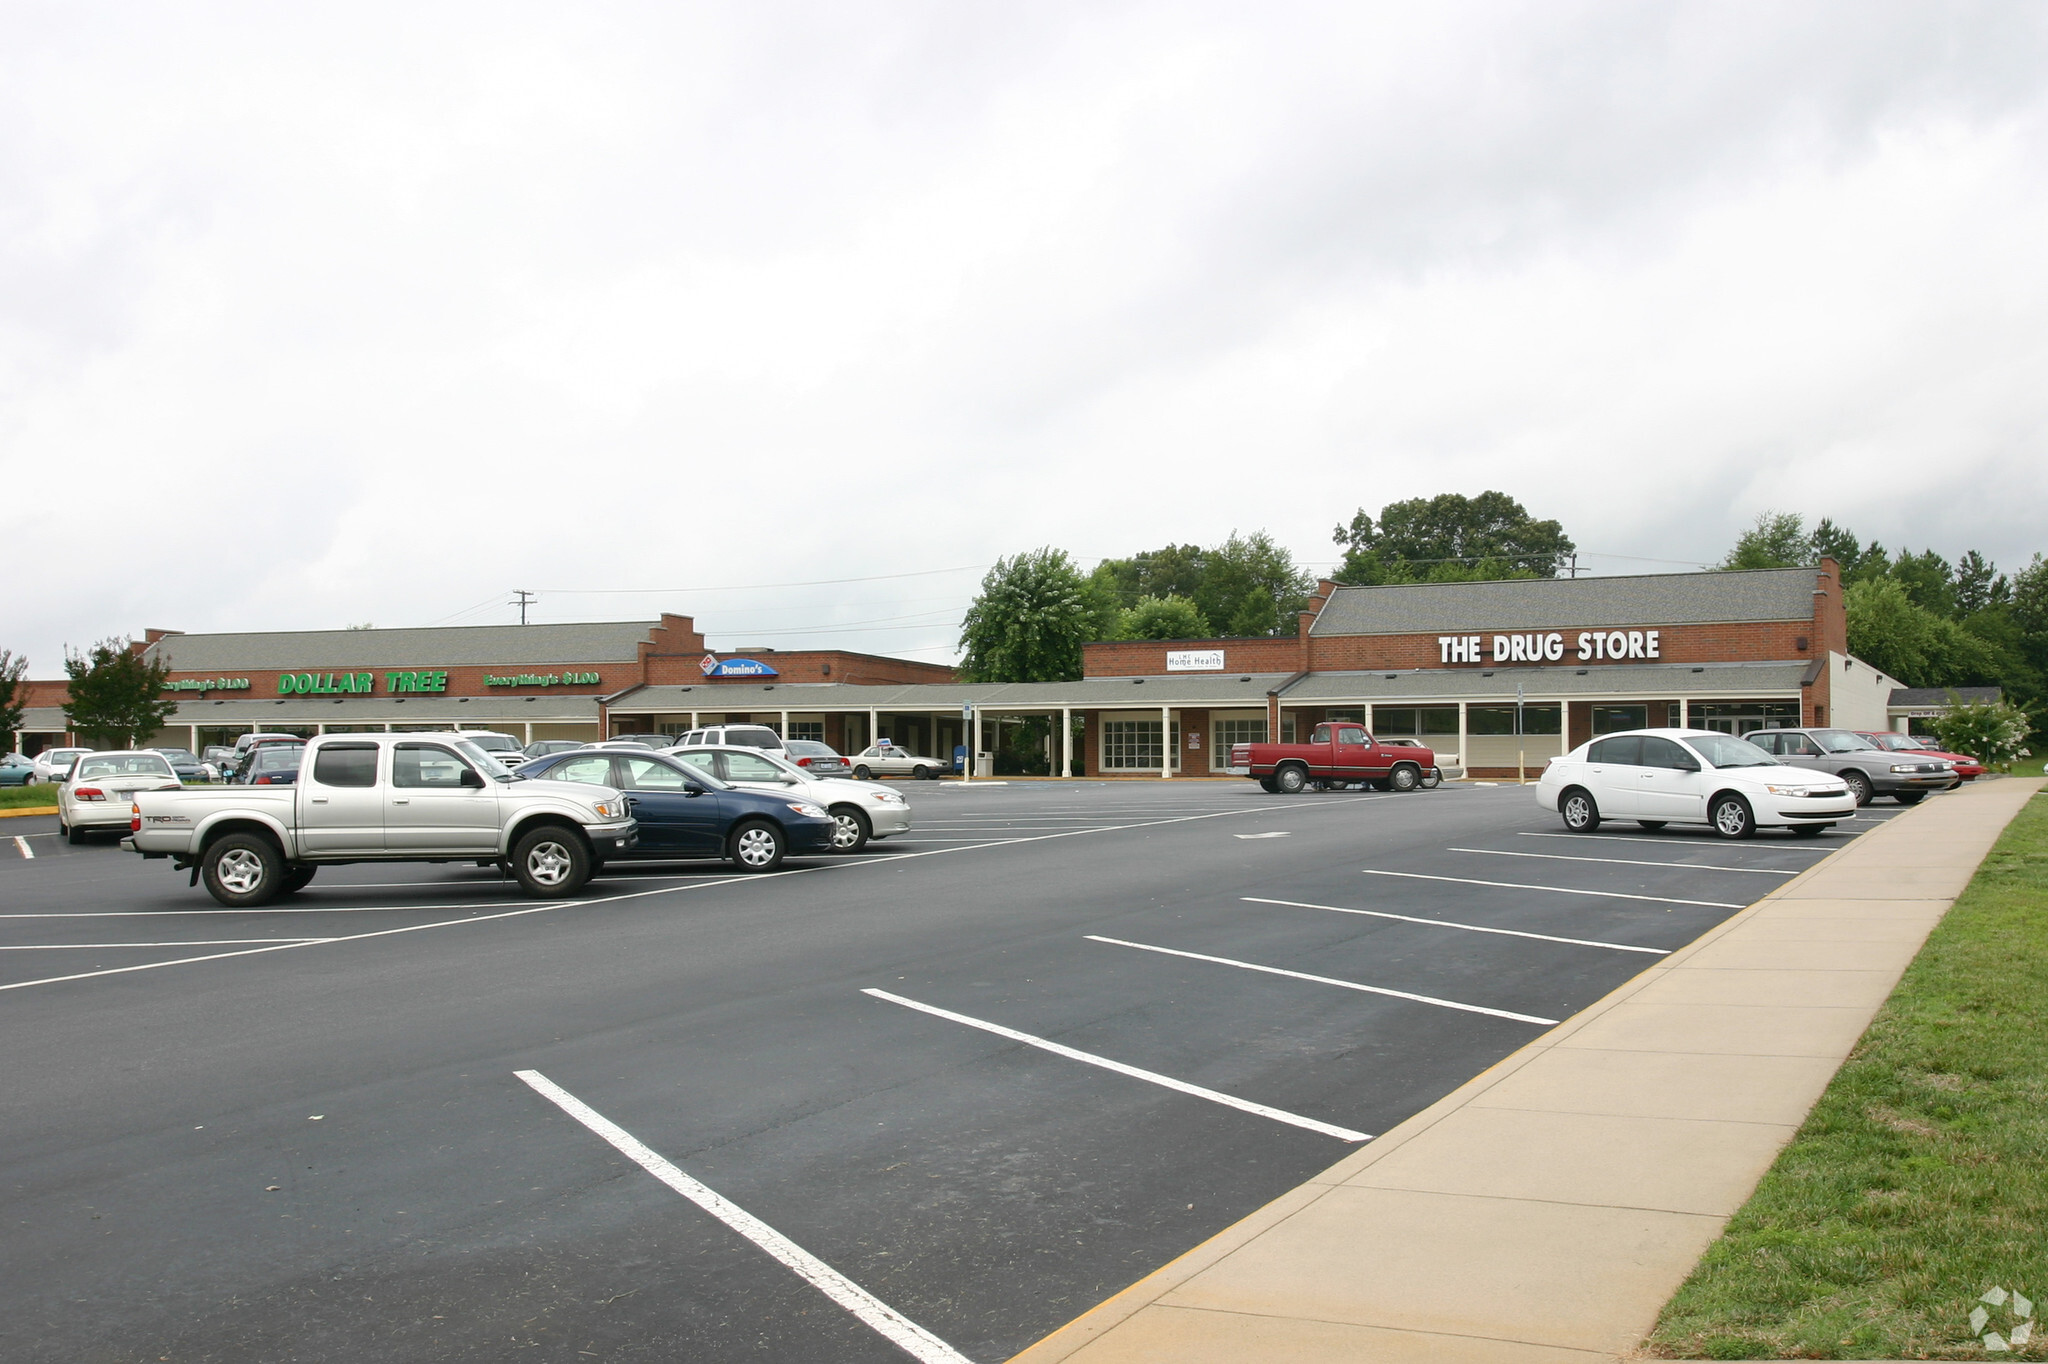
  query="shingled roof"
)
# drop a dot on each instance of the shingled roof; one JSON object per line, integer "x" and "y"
{"x": 1571, "y": 603}
{"x": 510, "y": 646}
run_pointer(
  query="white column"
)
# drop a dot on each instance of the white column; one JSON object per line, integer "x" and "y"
{"x": 1067, "y": 742}
{"x": 785, "y": 726}
{"x": 529, "y": 731}
{"x": 1464, "y": 760}
{"x": 191, "y": 747}
{"x": 693, "y": 721}
{"x": 874, "y": 728}
{"x": 1165, "y": 743}
{"x": 974, "y": 749}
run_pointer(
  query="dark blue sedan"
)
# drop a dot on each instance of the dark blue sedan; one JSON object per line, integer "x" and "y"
{"x": 683, "y": 812}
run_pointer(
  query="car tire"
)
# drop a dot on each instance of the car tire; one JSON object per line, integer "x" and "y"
{"x": 925, "y": 773}
{"x": 296, "y": 880}
{"x": 853, "y": 831}
{"x": 243, "y": 870}
{"x": 1404, "y": 777}
{"x": 862, "y": 774}
{"x": 1652, "y": 824}
{"x": 1291, "y": 779}
{"x": 1269, "y": 786}
{"x": 552, "y": 862}
{"x": 1732, "y": 818}
{"x": 1432, "y": 778}
{"x": 1909, "y": 797}
{"x": 1577, "y": 808}
{"x": 757, "y": 845}
{"x": 1859, "y": 787}
{"x": 1809, "y": 830}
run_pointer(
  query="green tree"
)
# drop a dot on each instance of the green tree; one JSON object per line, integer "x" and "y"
{"x": 1248, "y": 586}
{"x": 12, "y": 670}
{"x": 1033, "y": 615}
{"x": 117, "y": 699}
{"x": 1163, "y": 618}
{"x": 1979, "y": 585}
{"x": 1777, "y": 540}
{"x": 1449, "y": 538}
{"x": 1891, "y": 632}
{"x": 1928, "y": 579}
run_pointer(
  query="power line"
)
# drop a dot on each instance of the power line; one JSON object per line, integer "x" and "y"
{"x": 524, "y": 597}
{"x": 750, "y": 587}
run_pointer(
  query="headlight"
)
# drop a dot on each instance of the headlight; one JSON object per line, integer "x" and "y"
{"x": 808, "y": 810}
{"x": 1777, "y": 790}
{"x": 609, "y": 809}
{"x": 1905, "y": 767}
{"x": 887, "y": 798}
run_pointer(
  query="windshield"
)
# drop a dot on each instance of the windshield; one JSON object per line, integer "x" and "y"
{"x": 278, "y": 757}
{"x": 1725, "y": 750}
{"x": 125, "y": 765}
{"x": 178, "y": 754}
{"x": 494, "y": 743}
{"x": 1839, "y": 741}
{"x": 491, "y": 766}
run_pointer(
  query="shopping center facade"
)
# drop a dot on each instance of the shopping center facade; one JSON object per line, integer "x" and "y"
{"x": 1496, "y": 676}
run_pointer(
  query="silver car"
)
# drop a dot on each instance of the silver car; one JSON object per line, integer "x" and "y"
{"x": 103, "y": 785}
{"x": 894, "y": 760}
{"x": 861, "y": 809}
{"x": 1869, "y": 770}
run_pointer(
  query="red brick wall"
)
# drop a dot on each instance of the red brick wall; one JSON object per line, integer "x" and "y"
{"x": 1147, "y": 658}
{"x": 821, "y": 665}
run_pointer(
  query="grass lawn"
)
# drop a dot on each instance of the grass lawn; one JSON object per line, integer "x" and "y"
{"x": 18, "y": 797}
{"x": 1920, "y": 1180}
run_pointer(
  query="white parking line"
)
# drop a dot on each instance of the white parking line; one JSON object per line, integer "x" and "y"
{"x": 1469, "y": 928}
{"x": 22, "y": 844}
{"x": 1150, "y": 1076}
{"x": 1555, "y": 890}
{"x": 1329, "y": 980}
{"x": 294, "y": 909}
{"x": 1706, "y": 841}
{"x": 885, "y": 1320}
{"x": 1629, "y": 862}
{"x": 199, "y": 942}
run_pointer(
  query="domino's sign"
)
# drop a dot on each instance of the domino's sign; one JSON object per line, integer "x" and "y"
{"x": 736, "y": 667}
{"x": 1611, "y": 646}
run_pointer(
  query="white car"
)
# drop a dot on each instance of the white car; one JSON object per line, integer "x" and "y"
{"x": 894, "y": 760}
{"x": 506, "y": 749}
{"x": 103, "y": 785}
{"x": 861, "y": 809}
{"x": 54, "y": 765}
{"x": 1689, "y": 776}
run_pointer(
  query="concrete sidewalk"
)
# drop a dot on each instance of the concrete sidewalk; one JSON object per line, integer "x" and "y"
{"x": 1547, "y": 1209}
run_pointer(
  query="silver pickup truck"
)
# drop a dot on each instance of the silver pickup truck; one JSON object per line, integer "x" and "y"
{"x": 383, "y": 798}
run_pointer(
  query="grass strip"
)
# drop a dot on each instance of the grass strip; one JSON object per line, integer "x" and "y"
{"x": 1920, "y": 1179}
{"x": 15, "y": 797}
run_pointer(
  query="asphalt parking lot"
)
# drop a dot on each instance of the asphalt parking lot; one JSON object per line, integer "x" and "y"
{"x": 932, "y": 1101}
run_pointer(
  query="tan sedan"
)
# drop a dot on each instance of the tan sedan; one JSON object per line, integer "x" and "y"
{"x": 102, "y": 785}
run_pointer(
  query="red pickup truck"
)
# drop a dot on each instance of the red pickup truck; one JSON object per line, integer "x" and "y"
{"x": 1338, "y": 752}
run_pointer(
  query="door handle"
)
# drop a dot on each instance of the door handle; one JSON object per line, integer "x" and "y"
{"x": 319, "y": 800}
{"x": 401, "y": 800}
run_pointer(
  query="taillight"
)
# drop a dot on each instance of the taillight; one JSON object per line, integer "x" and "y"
{"x": 803, "y": 762}
{"x": 261, "y": 781}
{"x": 135, "y": 819}
{"x": 88, "y": 793}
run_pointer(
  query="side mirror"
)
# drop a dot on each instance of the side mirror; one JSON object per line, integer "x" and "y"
{"x": 1686, "y": 765}
{"x": 472, "y": 778}
{"x": 691, "y": 788}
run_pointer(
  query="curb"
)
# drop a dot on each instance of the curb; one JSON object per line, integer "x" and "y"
{"x": 32, "y": 810}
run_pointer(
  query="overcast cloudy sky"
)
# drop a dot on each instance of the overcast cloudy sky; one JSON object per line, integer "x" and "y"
{"x": 312, "y": 315}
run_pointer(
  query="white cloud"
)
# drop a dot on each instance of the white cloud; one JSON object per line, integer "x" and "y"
{"x": 379, "y": 313}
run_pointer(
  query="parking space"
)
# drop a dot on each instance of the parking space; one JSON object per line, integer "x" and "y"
{"x": 931, "y": 1101}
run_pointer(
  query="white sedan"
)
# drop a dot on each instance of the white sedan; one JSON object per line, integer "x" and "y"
{"x": 1661, "y": 776}
{"x": 894, "y": 760}
{"x": 861, "y": 809}
{"x": 52, "y": 765}
{"x": 102, "y": 785}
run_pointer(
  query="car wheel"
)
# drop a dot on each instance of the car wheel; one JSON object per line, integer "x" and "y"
{"x": 1653, "y": 824}
{"x": 296, "y": 880}
{"x": 925, "y": 773}
{"x": 1578, "y": 811}
{"x": 1268, "y": 785}
{"x": 1291, "y": 779}
{"x": 1809, "y": 830}
{"x": 1859, "y": 786}
{"x": 1432, "y": 778}
{"x": 862, "y": 774}
{"x": 757, "y": 845}
{"x": 243, "y": 870}
{"x": 1404, "y": 777}
{"x": 72, "y": 833}
{"x": 551, "y": 862}
{"x": 852, "y": 832}
{"x": 1909, "y": 797}
{"x": 1731, "y": 818}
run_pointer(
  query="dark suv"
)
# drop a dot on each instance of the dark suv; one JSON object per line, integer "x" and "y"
{"x": 1869, "y": 770}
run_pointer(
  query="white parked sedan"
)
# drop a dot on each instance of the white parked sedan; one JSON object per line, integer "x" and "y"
{"x": 102, "y": 785}
{"x": 53, "y": 765}
{"x": 862, "y": 809}
{"x": 894, "y": 760}
{"x": 1688, "y": 776}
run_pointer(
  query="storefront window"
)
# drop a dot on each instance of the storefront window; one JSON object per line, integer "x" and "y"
{"x": 1413, "y": 722}
{"x": 1741, "y": 717}
{"x": 813, "y": 730}
{"x": 1536, "y": 719}
{"x": 1133, "y": 745}
{"x": 1228, "y": 732}
{"x": 1615, "y": 719}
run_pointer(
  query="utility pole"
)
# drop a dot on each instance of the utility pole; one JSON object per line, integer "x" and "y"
{"x": 524, "y": 597}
